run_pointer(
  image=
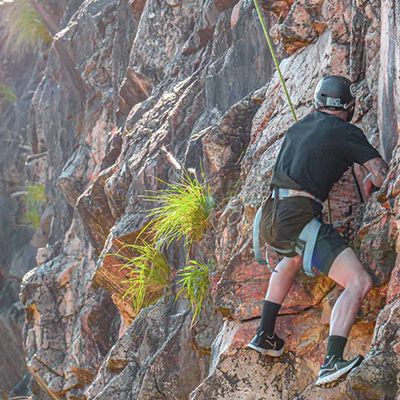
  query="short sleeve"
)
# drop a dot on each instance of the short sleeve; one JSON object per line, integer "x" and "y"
{"x": 357, "y": 148}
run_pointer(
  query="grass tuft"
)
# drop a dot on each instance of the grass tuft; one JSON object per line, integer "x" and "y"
{"x": 33, "y": 200}
{"x": 195, "y": 281}
{"x": 184, "y": 211}
{"x": 24, "y": 27}
{"x": 36, "y": 193}
{"x": 148, "y": 274}
{"x": 7, "y": 94}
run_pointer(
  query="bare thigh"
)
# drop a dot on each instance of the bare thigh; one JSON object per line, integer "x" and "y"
{"x": 290, "y": 265}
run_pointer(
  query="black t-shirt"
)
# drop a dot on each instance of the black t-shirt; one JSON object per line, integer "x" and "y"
{"x": 316, "y": 152}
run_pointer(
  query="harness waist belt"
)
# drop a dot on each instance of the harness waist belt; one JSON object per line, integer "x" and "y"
{"x": 280, "y": 193}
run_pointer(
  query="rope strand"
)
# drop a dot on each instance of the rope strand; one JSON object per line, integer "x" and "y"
{"x": 271, "y": 49}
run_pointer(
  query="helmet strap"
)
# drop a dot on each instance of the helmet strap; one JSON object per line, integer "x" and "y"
{"x": 350, "y": 114}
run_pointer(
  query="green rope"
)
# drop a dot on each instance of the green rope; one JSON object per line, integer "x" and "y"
{"x": 271, "y": 49}
{"x": 278, "y": 68}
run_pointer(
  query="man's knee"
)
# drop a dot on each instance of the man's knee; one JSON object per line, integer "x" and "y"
{"x": 362, "y": 283}
{"x": 366, "y": 283}
{"x": 348, "y": 271}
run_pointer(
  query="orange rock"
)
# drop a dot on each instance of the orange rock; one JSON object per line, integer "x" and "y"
{"x": 235, "y": 15}
{"x": 394, "y": 284}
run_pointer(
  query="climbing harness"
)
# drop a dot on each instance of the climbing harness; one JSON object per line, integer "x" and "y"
{"x": 306, "y": 241}
{"x": 280, "y": 193}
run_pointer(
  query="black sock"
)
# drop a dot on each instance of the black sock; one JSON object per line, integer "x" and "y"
{"x": 336, "y": 345}
{"x": 268, "y": 317}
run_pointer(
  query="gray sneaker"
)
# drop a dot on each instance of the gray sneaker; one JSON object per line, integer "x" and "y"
{"x": 270, "y": 346}
{"x": 335, "y": 370}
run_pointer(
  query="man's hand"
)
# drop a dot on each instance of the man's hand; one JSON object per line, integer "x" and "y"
{"x": 368, "y": 185}
{"x": 378, "y": 170}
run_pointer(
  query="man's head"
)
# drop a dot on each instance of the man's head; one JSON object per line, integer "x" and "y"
{"x": 335, "y": 94}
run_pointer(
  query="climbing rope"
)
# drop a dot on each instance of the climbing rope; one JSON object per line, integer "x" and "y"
{"x": 282, "y": 80}
{"x": 271, "y": 49}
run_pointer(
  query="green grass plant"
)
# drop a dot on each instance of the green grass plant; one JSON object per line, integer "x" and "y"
{"x": 33, "y": 200}
{"x": 194, "y": 279}
{"x": 36, "y": 193}
{"x": 7, "y": 94}
{"x": 148, "y": 274}
{"x": 184, "y": 212}
{"x": 24, "y": 27}
{"x": 32, "y": 217}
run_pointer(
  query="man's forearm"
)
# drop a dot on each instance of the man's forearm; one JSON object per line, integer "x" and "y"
{"x": 368, "y": 185}
{"x": 378, "y": 169}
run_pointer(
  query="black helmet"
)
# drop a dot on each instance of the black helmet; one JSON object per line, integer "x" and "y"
{"x": 335, "y": 93}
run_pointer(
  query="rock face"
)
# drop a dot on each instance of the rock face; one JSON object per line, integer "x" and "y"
{"x": 134, "y": 90}
{"x": 18, "y": 240}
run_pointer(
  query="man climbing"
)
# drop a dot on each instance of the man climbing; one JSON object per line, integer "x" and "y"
{"x": 315, "y": 153}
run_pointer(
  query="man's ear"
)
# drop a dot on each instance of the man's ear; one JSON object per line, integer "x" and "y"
{"x": 350, "y": 114}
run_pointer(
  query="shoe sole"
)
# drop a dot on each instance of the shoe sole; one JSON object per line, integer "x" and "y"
{"x": 272, "y": 353}
{"x": 337, "y": 377}
{"x": 330, "y": 385}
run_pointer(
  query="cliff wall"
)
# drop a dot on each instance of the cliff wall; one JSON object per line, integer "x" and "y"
{"x": 130, "y": 91}
{"x": 18, "y": 240}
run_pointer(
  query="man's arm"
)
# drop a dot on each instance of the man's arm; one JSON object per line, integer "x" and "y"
{"x": 378, "y": 170}
{"x": 368, "y": 186}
